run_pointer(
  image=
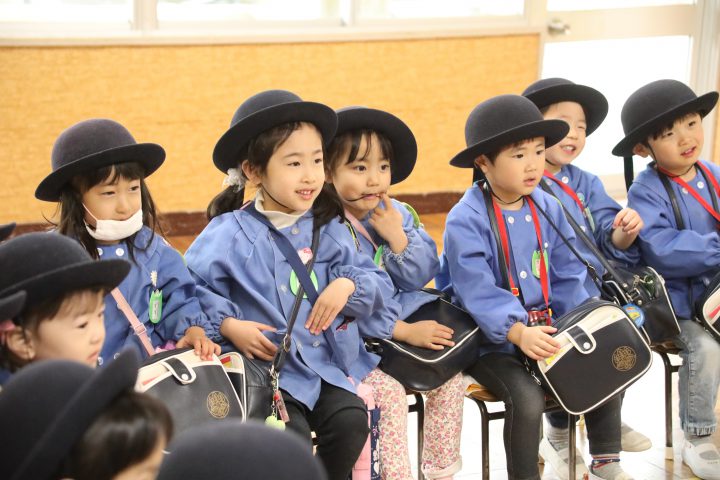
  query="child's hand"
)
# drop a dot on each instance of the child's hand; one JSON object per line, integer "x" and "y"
{"x": 204, "y": 347}
{"x": 329, "y": 304}
{"x": 248, "y": 338}
{"x": 425, "y": 333}
{"x": 535, "y": 342}
{"x": 387, "y": 222}
{"x": 626, "y": 227}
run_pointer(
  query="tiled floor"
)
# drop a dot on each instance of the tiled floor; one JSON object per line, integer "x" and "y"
{"x": 643, "y": 409}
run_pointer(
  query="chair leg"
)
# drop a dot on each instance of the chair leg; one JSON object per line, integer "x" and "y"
{"x": 668, "y": 405}
{"x": 484, "y": 438}
{"x": 420, "y": 405}
{"x": 571, "y": 446}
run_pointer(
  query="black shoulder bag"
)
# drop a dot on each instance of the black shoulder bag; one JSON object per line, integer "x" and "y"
{"x": 628, "y": 286}
{"x": 601, "y": 351}
{"x": 421, "y": 369}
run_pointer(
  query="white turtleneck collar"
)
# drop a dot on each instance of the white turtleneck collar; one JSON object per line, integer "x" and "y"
{"x": 279, "y": 220}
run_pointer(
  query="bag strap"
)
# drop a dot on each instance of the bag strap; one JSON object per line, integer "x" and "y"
{"x": 502, "y": 258}
{"x": 306, "y": 286}
{"x": 137, "y": 326}
{"x": 588, "y": 242}
{"x": 360, "y": 228}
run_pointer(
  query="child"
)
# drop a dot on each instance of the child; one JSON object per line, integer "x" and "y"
{"x": 276, "y": 141}
{"x": 506, "y": 138}
{"x": 61, "y": 419}
{"x": 98, "y": 178}
{"x": 63, "y": 312}
{"x": 662, "y": 120}
{"x": 611, "y": 227}
{"x": 371, "y": 151}
{"x": 241, "y": 451}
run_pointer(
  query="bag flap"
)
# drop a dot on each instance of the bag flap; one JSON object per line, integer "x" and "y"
{"x": 583, "y": 341}
{"x": 182, "y": 372}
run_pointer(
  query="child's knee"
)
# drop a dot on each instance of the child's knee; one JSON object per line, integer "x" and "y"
{"x": 351, "y": 424}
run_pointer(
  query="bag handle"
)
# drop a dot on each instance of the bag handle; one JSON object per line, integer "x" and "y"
{"x": 306, "y": 287}
{"x": 137, "y": 326}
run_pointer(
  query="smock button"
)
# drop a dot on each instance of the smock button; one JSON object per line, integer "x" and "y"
{"x": 528, "y": 218}
{"x": 100, "y": 251}
{"x": 283, "y": 288}
{"x": 100, "y": 361}
{"x": 295, "y": 230}
{"x": 316, "y": 343}
{"x": 511, "y": 220}
{"x": 684, "y": 190}
{"x": 700, "y": 185}
{"x": 523, "y": 274}
{"x": 582, "y": 227}
{"x": 548, "y": 182}
{"x": 565, "y": 179}
{"x": 119, "y": 252}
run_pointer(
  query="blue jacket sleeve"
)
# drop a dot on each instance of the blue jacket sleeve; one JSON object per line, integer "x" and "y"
{"x": 469, "y": 256}
{"x": 604, "y": 210}
{"x": 673, "y": 253}
{"x": 181, "y": 308}
{"x": 371, "y": 302}
{"x": 208, "y": 259}
{"x": 415, "y": 266}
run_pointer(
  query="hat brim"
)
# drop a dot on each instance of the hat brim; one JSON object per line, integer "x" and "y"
{"x": 232, "y": 146}
{"x": 94, "y": 273}
{"x": 12, "y": 305}
{"x": 6, "y": 230}
{"x": 703, "y": 104}
{"x": 80, "y": 412}
{"x": 401, "y": 137}
{"x": 149, "y": 155}
{"x": 593, "y": 102}
{"x": 552, "y": 130}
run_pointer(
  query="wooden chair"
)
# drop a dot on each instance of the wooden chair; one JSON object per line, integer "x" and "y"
{"x": 480, "y": 395}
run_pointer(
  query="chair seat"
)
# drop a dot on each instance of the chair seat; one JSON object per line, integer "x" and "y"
{"x": 668, "y": 347}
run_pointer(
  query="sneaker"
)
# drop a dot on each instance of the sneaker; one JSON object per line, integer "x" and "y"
{"x": 633, "y": 441}
{"x": 559, "y": 460}
{"x": 703, "y": 460}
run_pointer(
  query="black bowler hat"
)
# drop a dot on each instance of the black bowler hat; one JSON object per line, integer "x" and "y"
{"x": 502, "y": 121}
{"x": 12, "y": 305}
{"x": 46, "y": 407}
{"x": 6, "y": 230}
{"x": 242, "y": 451}
{"x": 400, "y": 136}
{"x": 548, "y": 91}
{"x": 262, "y": 112}
{"x": 93, "y": 144}
{"x": 48, "y": 265}
{"x": 655, "y": 105}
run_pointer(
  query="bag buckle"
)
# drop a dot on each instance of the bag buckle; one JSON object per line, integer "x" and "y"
{"x": 139, "y": 329}
{"x": 539, "y": 317}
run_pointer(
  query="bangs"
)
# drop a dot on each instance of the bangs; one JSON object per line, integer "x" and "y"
{"x": 108, "y": 175}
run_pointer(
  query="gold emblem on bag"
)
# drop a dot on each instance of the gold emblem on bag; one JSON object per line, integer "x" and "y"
{"x": 218, "y": 404}
{"x": 624, "y": 358}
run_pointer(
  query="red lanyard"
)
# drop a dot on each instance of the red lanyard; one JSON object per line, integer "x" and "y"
{"x": 567, "y": 190}
{"x": 544, "y": 282}
{"x": 709, "y": 176}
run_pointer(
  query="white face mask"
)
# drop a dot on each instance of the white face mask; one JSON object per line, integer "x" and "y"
{"x": 114, "y": 230}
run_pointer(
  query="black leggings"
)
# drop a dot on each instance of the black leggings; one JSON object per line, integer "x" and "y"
{"x": 603, "y": 426}
{"x": 340, "y": 422}
{"x": 506, "y": 377}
